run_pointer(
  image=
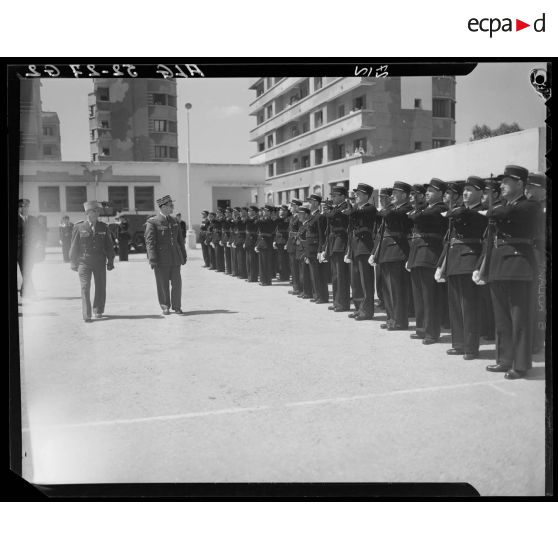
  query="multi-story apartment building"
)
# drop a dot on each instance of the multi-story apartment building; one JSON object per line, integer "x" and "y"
{"x": 310, "y": 131}
{"x": 133, "y": 120}
{"x": 51, "y": 149}
{"x": 30, "y": 125}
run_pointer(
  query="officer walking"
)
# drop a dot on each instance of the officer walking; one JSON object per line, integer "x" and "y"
{"x": 166, "y": 253}
{"x": 65, "y": 229}
{"x": 511, "y": 271}
{"x": 92, "y": 254}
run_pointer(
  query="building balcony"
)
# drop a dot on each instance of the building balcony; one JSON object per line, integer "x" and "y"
{"x": 443, "y": 128}
{"x": 277, "y": 89}
{"x": 348, "y": 124}
{"x": 328, "y": 92}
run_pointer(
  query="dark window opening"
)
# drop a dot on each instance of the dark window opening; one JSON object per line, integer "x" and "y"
{"x": 144, "y": 198}
{"x": 76, "y": 196}
{"x": 103, "y": 93}
{"x": 118, "y": 197}
{"x": 49, "y": 198}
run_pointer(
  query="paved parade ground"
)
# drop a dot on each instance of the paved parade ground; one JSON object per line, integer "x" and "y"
{"x": 254, "y": 385}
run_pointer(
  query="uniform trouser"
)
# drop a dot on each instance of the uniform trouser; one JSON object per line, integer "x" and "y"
{"x": 219, "y": 257}
{"x": 228, "y": 259}
{"x": 539, "y": 314}
{"x": 340, "y": 279}
{"x": 212, "y": 258}
{"x": 252, "y": 265}
{"x": 99, "y": 271}
{"x": 318, "y": 274}
{"x": 427, "y": 298}
{"x": 265, "y": 258}
{"x": 205, "y": 253}
{"x": 395, "y": 284}
{"x": 273, "y": 263}
{"x": 240, "y": 262}
{"x": 488, "y": 328}
{"x": 444, "y": 306}
{"x": 362, "y": 284}
{"x": 165, "y": 275}
{"x": 512, "y": 301}
{"x": 234, "y": 270}
{"x": 66, "y": 250}
{"x": 305, "y": 277}
{"x": 123, "y": 250}
{"x": 295, "y": 273}
{"x": 26, "y": 268}
{"x": 464, "y": 313}
{"x": 283, "y": 263}
{"x": 380, "y": 284}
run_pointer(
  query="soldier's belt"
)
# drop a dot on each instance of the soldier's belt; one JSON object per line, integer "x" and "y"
{"x": 511, "y": 240}
{"x": 465, "y": 241}
{"x": 427, "y": 235}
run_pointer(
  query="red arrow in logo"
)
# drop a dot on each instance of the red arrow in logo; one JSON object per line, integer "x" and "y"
{"x": 519, "y": 25}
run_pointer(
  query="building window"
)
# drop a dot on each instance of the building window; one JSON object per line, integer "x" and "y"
{"x": 418, "y": 145}
{"x": 260, "y": 117}
{"x": 160, "y": 152}
{"x": 359, "y": 146}
{"x": 48, "y": 131}
{"x": 270, "y": 198}
{"x": 103, "y": 93}
{"x": 418, "y": 103}
{"x": 47, "y": 149}
{"x": 118, "y": 197}
{"x": 318, "y": 119}
{"x": 269, "y": 111}
{"x": 106, "y": 152}
{"x": 269, "y": 141}
{"x": 306, "y": 192}
{"x": 441, "y": 143}
{"x": 171, "y": 100}
{"x": 359, "y": 103}
{"x": 143, "y": 196}
{"x": 441, "y": 108}
{"x": 91, "y": 111}
{"x": 319, "y": 155}
{"x": 341, "y": 111}
{"x": 172, "y": 126}
{"x": 294, "y": 131}
{"x": 305, "y": 161}
{"x": 94, "y": 157}
{"x": 92, "y": 134}
{"x": 261, "y": 146}
{"x": 305, "y": 126}
{"x": 270, "y": 169}
{"x": 295, "y": 164}
{"x": 105, "y": 124}
{"x": 159, "y": 125}
{"x": 173, "y": 152}
{"x": 159, "y": 99}
{"x": 49, "y": 198}
{"x": 318, "y": 83}
{"x": 452, "y": 107}
{"x": 340, "y": 151}
{"x": 259, "y": 91}
{"x": 76, "y": 196}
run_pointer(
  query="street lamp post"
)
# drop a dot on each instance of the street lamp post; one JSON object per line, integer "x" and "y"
{"x": 190, "y": 234}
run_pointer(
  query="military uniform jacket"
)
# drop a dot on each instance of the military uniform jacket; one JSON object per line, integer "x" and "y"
{"x": 300, "y": 251}
{"x": 66, "y": 232}
{"x": 540, "y": 239}
{"x": 123, "y": 231}
{"x": 517, "y": 226}
{"x": 429, "y": 228}
{"x": 294, "y": 225}
{"x": 468, "y": 227}
{"x": 216, "y": 231}
{"x": 240, "y": 233}
{"x": 281, "y": 231}
{"x": 251, "y": 233}
{"x": 203, "y": 229}
{"x": 226, "y": 229}
{"x": 266, "y": 234}
{"x": 396, "y": 230}
{"x": 90, "y": 247}
{"x": 314, "y": 229}
{"x": 361, "y": 230}
{"x": 164, "y": 241}
{"x": 337, "y": 237}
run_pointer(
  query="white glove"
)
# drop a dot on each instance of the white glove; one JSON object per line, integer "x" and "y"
{"x": 228, "y": 244}
{"x": 213, "y": 244}
{"x": 371, "y": 260}
{"x": 275, "y": 245}
{"x": 221, "y": 243}
{"x": 256, "y": 250}
{"x": 346, "y": 259}
{"x": 438, "y": 275}
{"x": 407, "y": 267}
{"x": 477, "y": 279}
{"x": 306, "y": 260}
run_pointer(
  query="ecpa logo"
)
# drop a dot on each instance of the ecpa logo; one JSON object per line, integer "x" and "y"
{"x": 494, "y": 24}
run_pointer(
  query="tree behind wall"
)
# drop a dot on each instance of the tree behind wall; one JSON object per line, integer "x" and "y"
{"x": 481, "y": 132}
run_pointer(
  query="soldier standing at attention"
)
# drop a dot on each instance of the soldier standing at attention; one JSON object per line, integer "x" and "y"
{"x": 250, "y": 244}
{"x": 304, "y": 266}
{"x": 511, "y": 271}
{"x": 65, "y": 229}
{"x": 240, "y": 239}
{"x": 429, "y": 228}
{"x": 123, "y": 236}
{"x": 314, "y": 230}
{"x": 392, "y": 253}
{"x": 226, "y": 240}
{"x": 264, "y": 245}
{"x": 281, "y": 238}
{"x": 361, "y": 226}
{"x": 92, "y": 253}
{"x": 166, "y": 253}
{"x": 209, "y": 240}
{"x": 465, "y": 243}
{"x": 384, "y": 198}
{"x": 291, "y": 245}
{"x": 203, "y": 234}
{"x": 217, "y": 241}
{"x": 233, "y": 221}
{"x": 182, "y": 224}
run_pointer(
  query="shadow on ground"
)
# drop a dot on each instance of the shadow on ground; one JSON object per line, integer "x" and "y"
{"x": 60, "y": 298}
{"x": 201, "y": 312}
{"x": 536, "y": 373}
{"x": 131, "y": 317}
{"x": 28, "y": 314}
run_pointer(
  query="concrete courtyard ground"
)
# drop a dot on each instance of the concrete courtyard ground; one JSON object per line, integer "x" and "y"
{"x": 254, "y": 385}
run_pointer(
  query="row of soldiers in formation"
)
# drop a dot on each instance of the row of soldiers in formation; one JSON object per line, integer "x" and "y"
{"x": 469, "y": 256}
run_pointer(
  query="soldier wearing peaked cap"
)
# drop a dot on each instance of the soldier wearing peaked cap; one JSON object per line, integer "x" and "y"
{"x": 203, "y": 234}
{"x": 92, "y": 254}
{"x": 226, "y": 240}
{"x": 429, "y": 228}
{"x": 264, "y": 245}
{"x": 250, "y": 244}
{"x": 314, "y": 230}
{"x": 362, "y": 218}
{"x": 291, "y": 247}
{"x": 303, "y": 262}
{"x": 211, "y": 217}
{"x": 280, "y": 242}
{"x": 166, "y": 253}
{"x": 240, "y": 239}
{"x": 217, "y": 240}
{"x": 384, "y": 199}
{"x": 511, "y": 271}
{"x": 233, "y": 232}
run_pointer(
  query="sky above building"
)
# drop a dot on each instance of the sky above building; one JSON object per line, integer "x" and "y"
{"x": 219, "y": 121}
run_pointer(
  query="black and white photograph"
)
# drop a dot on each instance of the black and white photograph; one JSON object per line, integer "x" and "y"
{"x": 225, "y": 277}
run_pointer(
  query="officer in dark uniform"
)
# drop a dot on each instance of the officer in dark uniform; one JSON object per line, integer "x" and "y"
{"x": 92, "y": 253}
{"x": 336, "y": 248}
{"x": 314, "y": 229}
{"x": 384, "y": 198}
{"x": 392, "y": 253}
{"x": 233, "y": 222}
{"x": 511, "y": 272}
{"x": 166, "y": 253}
{"x": 203, "y": 235}
{"x": 291, "y": 247}
{"x": 281, "y": 238}
{"x": 303, "y": 262}
{"x": 250, "y": 244}
{"x": 240, "y": 239}
{"x": 211, "y": 216}
{"x": 65, "y": 230}
{"x": 226, "y": 239}
{"x": 123, "y": 236}
{"x": 429, "y": 228}
{"x": 264, "y": 245}
{"x": 362, "y": 217}
{"x": 217, "y": 240}
{"x": 467, "y": 226}
{"x": 536, "y": 190}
